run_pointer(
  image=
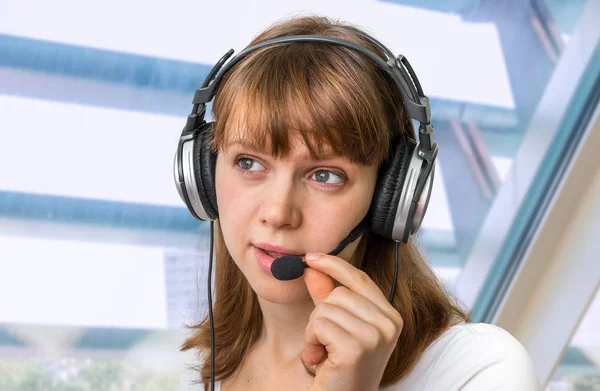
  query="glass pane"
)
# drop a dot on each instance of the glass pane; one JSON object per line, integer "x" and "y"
{"x": 101, "y": 265}
{"x": 482, "y": 129}
{"x": 579, "y": 369}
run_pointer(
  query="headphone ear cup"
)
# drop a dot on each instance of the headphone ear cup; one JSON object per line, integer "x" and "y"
{"x": 388, "y": 189}
{"x": 204, "y": 169}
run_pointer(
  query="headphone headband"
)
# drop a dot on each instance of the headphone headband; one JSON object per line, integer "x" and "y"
{"x": 415, "y": 102}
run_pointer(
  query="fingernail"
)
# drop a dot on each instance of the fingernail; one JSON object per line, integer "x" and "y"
{"x": 313, "y": 256}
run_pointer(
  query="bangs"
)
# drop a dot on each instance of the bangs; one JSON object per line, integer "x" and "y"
{"x": 274, "y": 97}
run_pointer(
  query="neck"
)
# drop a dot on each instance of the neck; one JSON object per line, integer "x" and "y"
{"x": 282, "y": 335}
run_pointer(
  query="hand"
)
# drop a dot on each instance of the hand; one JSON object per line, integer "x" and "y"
{"x": 353, "y": 329}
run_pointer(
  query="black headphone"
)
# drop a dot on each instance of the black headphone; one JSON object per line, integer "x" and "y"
{"x": 405, "y": 179}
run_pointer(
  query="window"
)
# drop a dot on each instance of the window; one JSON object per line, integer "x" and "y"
{"x": 100, "y": 263}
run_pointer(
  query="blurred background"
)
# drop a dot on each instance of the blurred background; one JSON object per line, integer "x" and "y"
{"x": 101, "y": 265}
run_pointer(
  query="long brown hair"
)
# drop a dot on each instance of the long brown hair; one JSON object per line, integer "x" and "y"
{"x": 329, "y": 96}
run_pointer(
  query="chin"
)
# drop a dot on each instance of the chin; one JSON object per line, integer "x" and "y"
{"x": 280, "y": 292}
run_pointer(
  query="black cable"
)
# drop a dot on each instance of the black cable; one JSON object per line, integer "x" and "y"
{"x": 210, "y": 309}
{"x": 395, "y": 272}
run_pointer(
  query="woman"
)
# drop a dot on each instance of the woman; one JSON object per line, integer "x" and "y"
{"x": 302, "y": 132}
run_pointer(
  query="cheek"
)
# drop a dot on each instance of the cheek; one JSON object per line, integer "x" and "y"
{"x": 227, "y": 187}
{"x": 330, "y": 222}
{"x": 230, "y": 201}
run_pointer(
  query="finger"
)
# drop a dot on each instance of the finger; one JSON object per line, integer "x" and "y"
{"x": 354, "y": 279}
{"x": 319, "y": 284}
{"x": 365, "y": 331}
{"x": 344, "y": 299}
{"x": 320, "y": 339}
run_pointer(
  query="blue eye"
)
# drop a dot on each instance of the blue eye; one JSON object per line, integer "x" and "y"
{"x": 328, "y": 177}
{"x": 247, "y": 164}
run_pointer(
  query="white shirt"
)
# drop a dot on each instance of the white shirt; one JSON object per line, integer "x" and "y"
{"x": 466, "y": 357}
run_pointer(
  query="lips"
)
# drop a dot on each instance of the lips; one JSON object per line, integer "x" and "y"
{"x": 265, "y": 255}
{"x": 276, "y": 251}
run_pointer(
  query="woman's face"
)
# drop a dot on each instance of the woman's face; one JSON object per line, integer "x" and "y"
{"x": 269, "y": 207}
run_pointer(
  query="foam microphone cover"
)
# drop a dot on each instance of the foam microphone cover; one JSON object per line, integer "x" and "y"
{"x": 288, "y": 267}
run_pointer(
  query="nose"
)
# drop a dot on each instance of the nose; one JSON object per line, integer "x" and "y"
{"x": 280, "y": 207}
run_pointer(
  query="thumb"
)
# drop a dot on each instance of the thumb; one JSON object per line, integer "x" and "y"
{"x": 319, "y": 284}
